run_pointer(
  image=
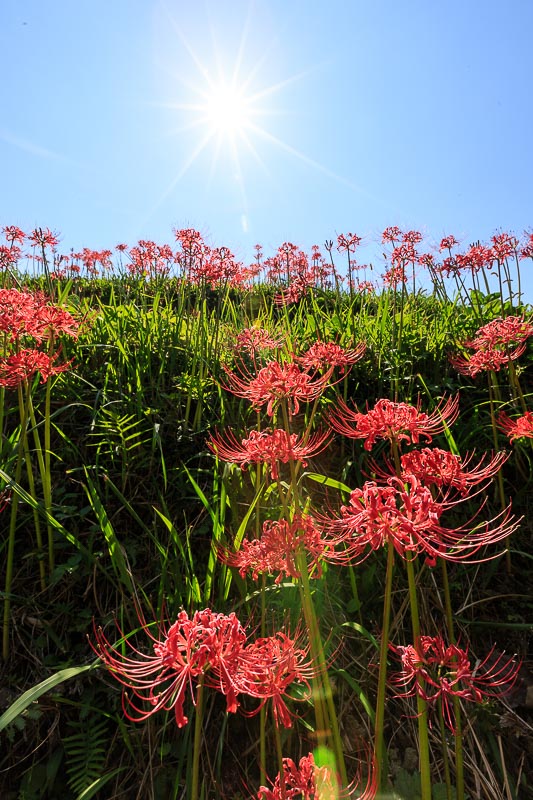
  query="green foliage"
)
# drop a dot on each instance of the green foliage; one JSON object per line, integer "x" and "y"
{"x": 140, "y": 510}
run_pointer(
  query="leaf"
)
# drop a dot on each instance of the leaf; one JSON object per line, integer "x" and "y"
{"x": 33, "y": 694}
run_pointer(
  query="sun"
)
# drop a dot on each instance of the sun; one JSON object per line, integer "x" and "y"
{"x": 228, "y": 110}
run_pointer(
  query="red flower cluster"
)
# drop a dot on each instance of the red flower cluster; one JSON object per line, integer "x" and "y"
{"x": 277, "y": 382}
{"x": 494, "y": 344}
{"x": 438, "y": 672}
{"x": 308, "y": 781}
{"x": 437, "y": 467}
{"x": 517, "y": 428}
{"x": 269, "y": 447}
{"x": 27, "y": 314}
{"x": 394, "y": 421}
{"x": 277, "y": 550}
{"x": 214, "y": 647}
{"x": 21, "y": 366}
{"x": 24, "y": 316}
{"x": 257, "y": 339}
{"x": 322, "y": 355}
{"x": 404, "y": 512}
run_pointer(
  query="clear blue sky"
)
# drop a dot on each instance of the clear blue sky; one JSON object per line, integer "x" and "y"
{"x": 359, "y": 115}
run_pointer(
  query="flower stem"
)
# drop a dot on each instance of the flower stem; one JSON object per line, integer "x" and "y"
{"x": 379, "y": 744}
{"x": 198, "y": 722}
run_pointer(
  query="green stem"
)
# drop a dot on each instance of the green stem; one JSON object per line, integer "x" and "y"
{"x": 423, "y": 734}
{"x": 459, "y": 767}
{"x": 379, "y": 745}
{"x": 10, "y": 558}
{"x": 198, "y": 722}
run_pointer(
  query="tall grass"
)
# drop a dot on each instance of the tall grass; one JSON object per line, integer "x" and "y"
{"x": 115, "y": 506}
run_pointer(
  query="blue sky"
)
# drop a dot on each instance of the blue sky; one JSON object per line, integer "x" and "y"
{"x": 358, "y": 115}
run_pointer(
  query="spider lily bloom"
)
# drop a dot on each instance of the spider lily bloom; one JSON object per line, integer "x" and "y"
{"x": 268, "y": 667}
{"x": 21, "y": 366}
{"x": 13, "y": 234}
{"x": 441, "y": 468}
{"x": 404, "y": 513}
{"x": 311, "y": 782}
{"x": 269, "y": 447}
{"x": 276, "y": 382}
{"x": 322, "y": 355}
{"x": 438, "y": 672}
{"x": 489, "y": 358}
{"x": 49, "y": 321}
{"x": 188, "y": 649}
{"x": 277, "y": 550}
{"x": 254, "y": 339}
{"x": 517, "y": 428}
{"x": 394, "y": 421}
{"x": 506, "y": 332}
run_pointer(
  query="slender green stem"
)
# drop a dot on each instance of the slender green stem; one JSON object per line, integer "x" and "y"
{"x": 459, "y": 767}
{"x": 10, "y": 558}
{"x": 379, "y": 744}
{"x": 423, "y": 734}
{"x": 198, "y": 730}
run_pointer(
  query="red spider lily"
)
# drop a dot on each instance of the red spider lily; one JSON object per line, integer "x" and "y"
{"x": 348, "y": 242}
{"x": 437, "y": 467}
{"x": 526, "y": 250}
{"x": 277, "y": 550}
{"x": 322, "y": 355}
{"x": 517, "y": 428}
{"x": 13, "y": 234}
{"x": 269, "y": 447}
{"x": 501, "y": 333}
{"x": 268, "y": 667}
{"x": 448, "y": 242}
{"x": 43, "y": 237}
{"x": 438, "y": 672}
{"x": 504, "y": 245}
{"x": 485, "y": 359}
{"x": 21, "y": 366}
{"x": 404, "y": 512}
{"x": 478, "y": 257}
{"x": 311, "y": 782}
{"x": 394, "y": 421}
{"x": 181, "y": 654}
{"x": 391, "y": 234}
{"x": 254, "y": 339}
{"x": 277, "y": 382}
{"x": 395, "y": 275}
{"x": 30, "y": 314}
{"x": 293, "y": 293}
{"x": 50, "y": 321}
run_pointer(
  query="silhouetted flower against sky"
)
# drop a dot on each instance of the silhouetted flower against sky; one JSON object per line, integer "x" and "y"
{"x": 438, "y": 671}
{"x": 393, "y": 421}
{"x": 268, "y": 447}
{"x": 277, "y": 382}
{"x": 519, "y": 428}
